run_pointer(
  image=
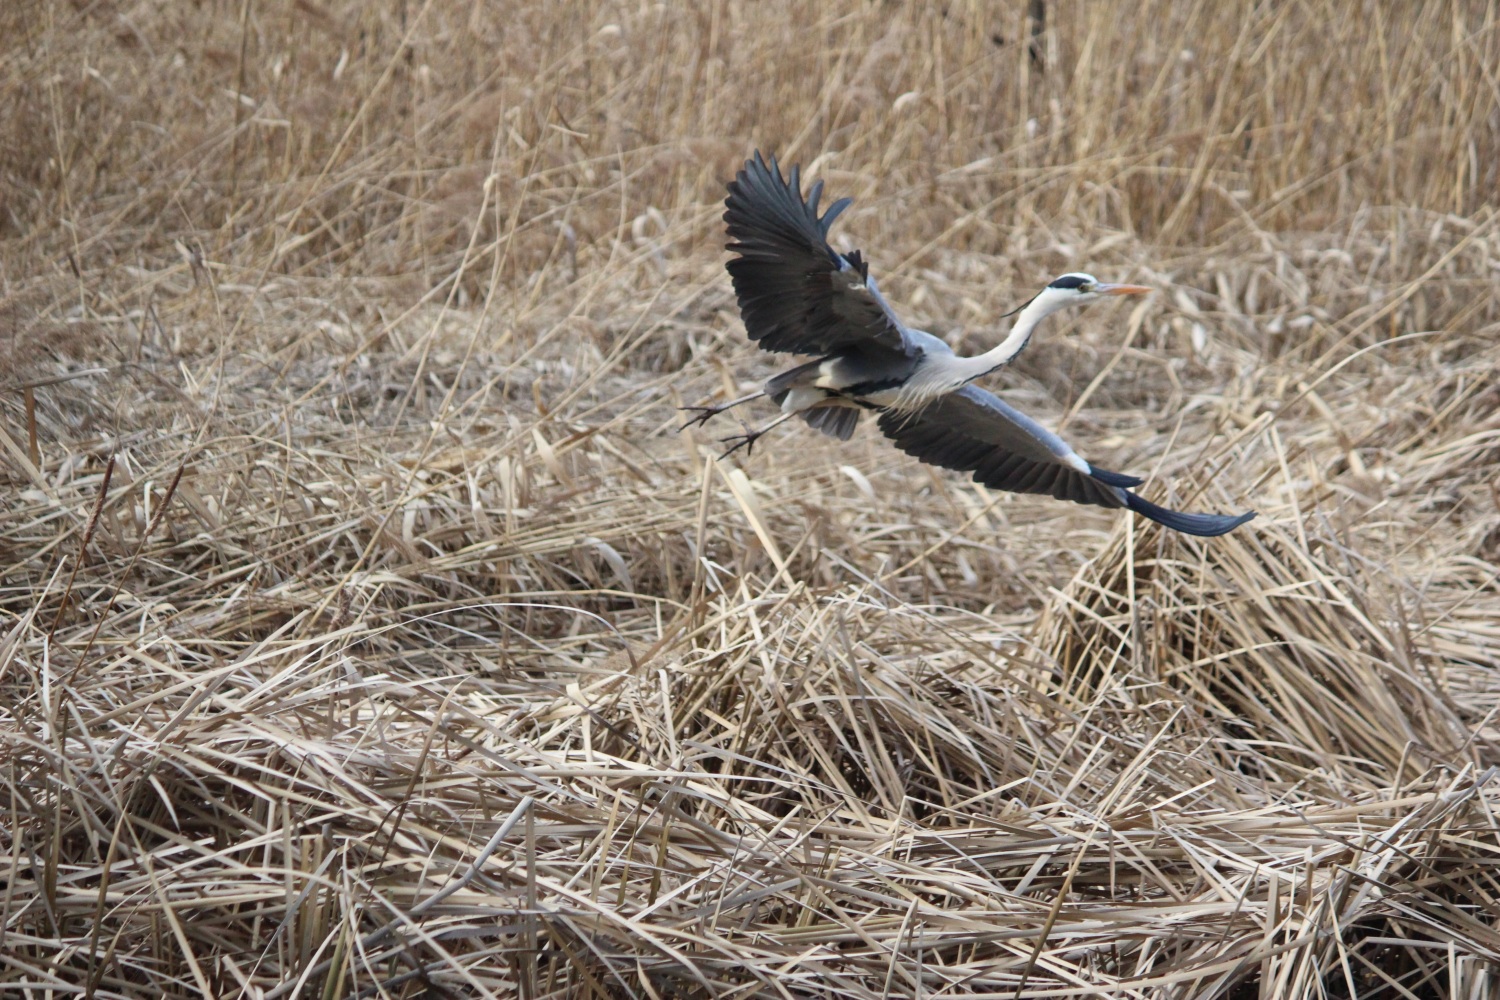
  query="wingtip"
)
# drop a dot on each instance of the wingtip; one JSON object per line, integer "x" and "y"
{"x": 754, "y": 167}
{"x": 762, "y": 174}
{"x": 772, "y": 168}
{"x": 1235, "y": 520}
{"x": 833, "y": 213}
{"x": 814, "y": 195}
{"x": 1200, "y": 525}
{"x": 1114, "y": 478}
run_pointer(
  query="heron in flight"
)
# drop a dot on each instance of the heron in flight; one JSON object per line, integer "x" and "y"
{"x": 799, "y": 295}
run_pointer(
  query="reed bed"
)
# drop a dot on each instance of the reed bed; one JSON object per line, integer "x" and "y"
{"x": 367, "y": 626}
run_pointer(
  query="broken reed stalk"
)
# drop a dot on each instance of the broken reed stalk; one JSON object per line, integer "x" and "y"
{"x": 135, "y": 555}
{"x": 83, "y": 545}
{"x": 33, "y": 449}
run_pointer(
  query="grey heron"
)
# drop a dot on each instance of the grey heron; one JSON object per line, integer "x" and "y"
{"x": 798, "y": 295}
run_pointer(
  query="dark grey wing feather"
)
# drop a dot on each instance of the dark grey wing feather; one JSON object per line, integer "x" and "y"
{"x": 1203, "y": 525}
{"x": 796, "y": 293}
{"x": 1114, "y": 478}
{"x": 974, "y": 431}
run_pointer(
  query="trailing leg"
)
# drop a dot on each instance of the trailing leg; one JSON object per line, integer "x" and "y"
{"x": 704, "y": 413}
{"x": 748, "y": 439}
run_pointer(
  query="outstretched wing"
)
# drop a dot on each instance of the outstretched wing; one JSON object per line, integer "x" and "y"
{"x": 974, "y": 431}
{"x": 796, "y": 293}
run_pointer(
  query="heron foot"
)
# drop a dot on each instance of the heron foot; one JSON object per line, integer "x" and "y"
{"x": 745, "y": 441}
{"x": 702, "y": 416}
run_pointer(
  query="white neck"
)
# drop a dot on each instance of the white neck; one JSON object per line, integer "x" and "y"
{"x": 1014, "y": 343}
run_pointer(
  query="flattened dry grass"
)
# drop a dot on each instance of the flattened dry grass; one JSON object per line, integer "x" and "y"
{"x": 367, "y": 627}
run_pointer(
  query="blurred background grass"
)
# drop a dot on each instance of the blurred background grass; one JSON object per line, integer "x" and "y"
{"x": 346, "y": 514}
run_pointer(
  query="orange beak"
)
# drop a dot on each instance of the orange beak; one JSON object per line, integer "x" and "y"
{"x": 1106, "y": 289}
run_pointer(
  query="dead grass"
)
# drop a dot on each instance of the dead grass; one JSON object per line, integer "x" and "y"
{"x": 367, "y": 628}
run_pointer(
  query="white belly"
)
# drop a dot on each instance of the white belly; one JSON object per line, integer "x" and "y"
{"x": 802, "y": 397}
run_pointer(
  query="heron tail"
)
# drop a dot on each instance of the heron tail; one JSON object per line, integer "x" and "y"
{"x": 835, "y": 421}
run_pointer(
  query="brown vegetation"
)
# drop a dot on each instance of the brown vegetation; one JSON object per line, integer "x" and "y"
{"x": 367, "y": 627}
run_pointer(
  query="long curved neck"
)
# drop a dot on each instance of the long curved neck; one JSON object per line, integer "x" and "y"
{"x": 1014, "y": 343}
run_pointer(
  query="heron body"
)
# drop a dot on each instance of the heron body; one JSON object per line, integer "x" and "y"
{"x": 799, "y": 295}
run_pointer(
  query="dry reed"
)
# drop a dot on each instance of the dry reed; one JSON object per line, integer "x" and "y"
{"x": 366, "y": 627}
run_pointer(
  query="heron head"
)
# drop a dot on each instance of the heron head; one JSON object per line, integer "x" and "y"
{"x": 1076, "y": 288}
{"x": 1073, "y": 289}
